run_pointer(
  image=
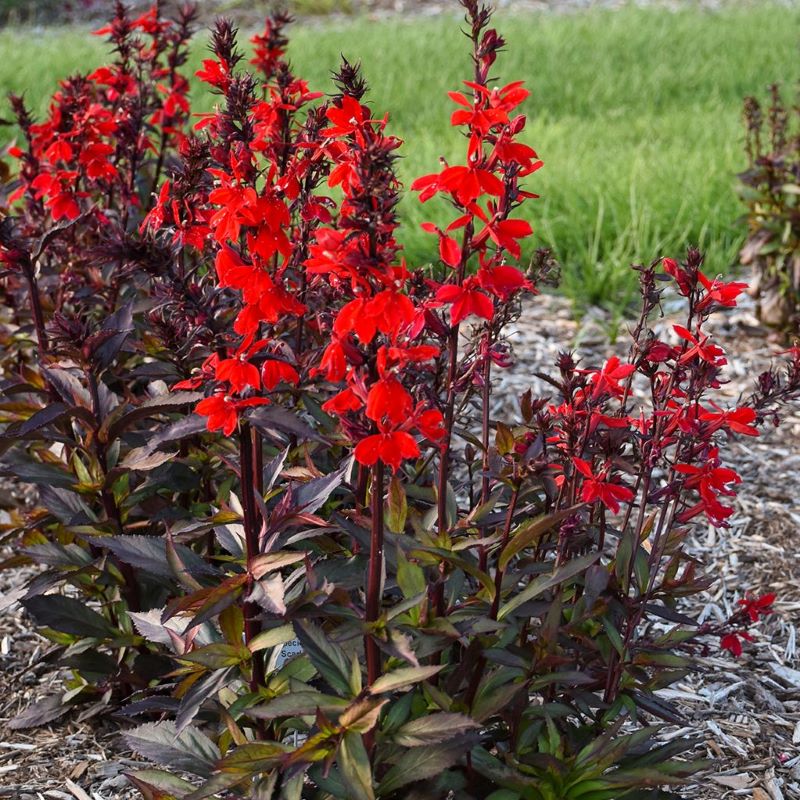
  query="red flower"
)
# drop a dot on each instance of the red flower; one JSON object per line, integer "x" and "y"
{"x": 504, "y": 233}
{"x": 430, "y": 424}
{"x": 681, "y": 276}
{"x": 757, "y": 607}
{"x": 238, "y": 371}
{"x": 339, "y": 404}
{"x": 347, "y": 118}
{"x": 737, "y": 420}
{"x": 598, "y": 487}
{"x": 700, "y": 348}
{"x": 392, "y": 448}
{"x": 274, "y": 371}
{"x": 607, "y": 379}
{"x": 709, "y": 480}
{"x": 215, "y": 73}
{"x": 465, "y": 184}
{"x": 723, "y": 294}
{"x": 387, "y": 398}
{"x": 223, "y": 411}
{"x": 502, "y": 281}
{"x": 449, "y": 249}
{"x": 466, "y": 300}
{"x": 732, "y": 642}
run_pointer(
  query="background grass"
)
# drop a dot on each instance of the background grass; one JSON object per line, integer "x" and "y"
{"x": 635, "y": 112}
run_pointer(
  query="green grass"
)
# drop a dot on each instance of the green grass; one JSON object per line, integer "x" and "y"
{"x": 636, "y": 114}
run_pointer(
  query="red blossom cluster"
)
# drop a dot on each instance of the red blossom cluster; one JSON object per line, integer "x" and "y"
{"x": 99, "y": 127}
{"x": 751, "y": 610}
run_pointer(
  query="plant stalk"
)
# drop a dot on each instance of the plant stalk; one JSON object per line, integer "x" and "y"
{"x": 374, "y": 572}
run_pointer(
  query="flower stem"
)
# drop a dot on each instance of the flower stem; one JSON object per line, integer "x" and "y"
{"x": 252, "y": 622}
{"x": 375, "y": 572}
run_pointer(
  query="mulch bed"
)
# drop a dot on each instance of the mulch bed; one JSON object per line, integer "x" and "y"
{"x": 746, "y": 710}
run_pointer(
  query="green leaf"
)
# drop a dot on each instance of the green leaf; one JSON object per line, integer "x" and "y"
{"x": 403, "y": 678}
{"x": 433, "y": 729}
{"x": 218, "y": 783}
{"x": 69, "y": 615}
{"x": 155, "y": 784}
{"x": 116, "y": 424}
{"x": 362, "y": 714}
{"x": 297, "y": 703}
{"x": 421, "y": 763}
{"x": 396, "y": 509}
{"x": 355, "y": 767}
{"x": 529, "y": 533}
{"x": 544, "y": 582}
{"x": 410, "y": 577}
{"x": 253, "y": 757}
{"x": 504, "y": 439}
{"x": 328, "y": 658}
{"x": 217, "y": 656}
{"x": 271, "y": 638}
{"x": 190, "y": 751}
{"x": 269, "y": 562}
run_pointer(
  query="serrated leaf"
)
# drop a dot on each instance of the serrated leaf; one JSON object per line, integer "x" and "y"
{"x": 433, "y": 729}
{"x": 421, "y": 763}
{"x": 544, "y": 582}
{"x": 155, "y": 784}
{"x": 271, "y": 638}
{"x": 530, "y": 532}
{"x": 312, "y": 495}
{"x": 269, "y": 593}
{"x": 69, "y": 615}
{"x": 149, "y": 553}
{"x": 297, "y": 703}
{"x": 144, "y": 459}
{"x": 354, "y": 767}
{"x": 190, "y": 751}
{"x": 362, "y": 714}
{"x": 275, "y": 421}
{"x": 269, "y": 562}
{"x": 41, "y": 419}
{"x": 118, "y": 326}
{"x": 253, "y": 757}
{"x": 191, "y": 425}
{"x": 218, "y": 783}
{"x": 217, "y": 655}
{"x": 328, "y": 658}
{"x": 403, "y": 678}
{"x": 202, "y": 690}
{"x": 156, "y": 405}
{"x": 396, "y": 509}
{"x": 39, "y": 713}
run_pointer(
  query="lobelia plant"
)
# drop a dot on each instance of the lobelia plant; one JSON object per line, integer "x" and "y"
{"x": 770, "y": 188}
{"x": 339, "y": 577}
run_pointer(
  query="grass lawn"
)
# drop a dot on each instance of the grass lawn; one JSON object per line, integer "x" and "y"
{"x": 636, "y": 114}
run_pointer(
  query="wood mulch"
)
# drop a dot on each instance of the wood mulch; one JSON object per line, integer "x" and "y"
{"x": 747, "y": 710}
